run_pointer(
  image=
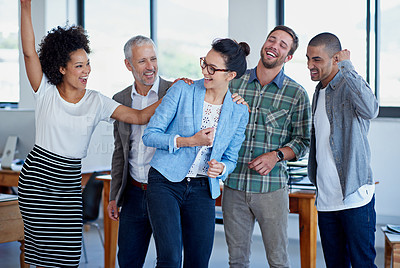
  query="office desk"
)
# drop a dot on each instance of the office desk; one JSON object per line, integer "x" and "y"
{"x": 110, "y": 226}
{"x": 12, "y": 227}
{"x": 300, "y": 202}
{"x": 392, "y": 249}
{"x": 10, "y": 177}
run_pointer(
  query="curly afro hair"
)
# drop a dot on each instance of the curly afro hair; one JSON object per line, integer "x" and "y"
{"x": 56, "y": 47}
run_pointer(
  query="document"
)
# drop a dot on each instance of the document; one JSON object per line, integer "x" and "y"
{"x": 8, "y": 197}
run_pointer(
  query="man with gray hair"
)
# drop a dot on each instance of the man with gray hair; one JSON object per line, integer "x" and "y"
{"x": 130, "y": 160}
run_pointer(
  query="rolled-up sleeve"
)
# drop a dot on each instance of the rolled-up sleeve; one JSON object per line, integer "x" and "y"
{"x": 301, "y": 124}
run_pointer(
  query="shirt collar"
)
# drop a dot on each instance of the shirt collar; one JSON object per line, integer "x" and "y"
{"x": 154, "y": 88}
{"x": 333, "y": 83}
{"x": 278, "y": 80}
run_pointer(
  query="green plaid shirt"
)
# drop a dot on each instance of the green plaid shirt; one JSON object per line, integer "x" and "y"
{"x": 280, "y": 116}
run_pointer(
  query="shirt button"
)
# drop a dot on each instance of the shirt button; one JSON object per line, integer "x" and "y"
{"x": 188, "y": 179}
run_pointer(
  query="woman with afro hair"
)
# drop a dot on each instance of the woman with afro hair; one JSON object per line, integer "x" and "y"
{"x": 67, "y": 113}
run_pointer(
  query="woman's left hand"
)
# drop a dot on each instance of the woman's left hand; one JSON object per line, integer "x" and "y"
{"x": 239, "y": 100}
{"x": 215, "y": 168}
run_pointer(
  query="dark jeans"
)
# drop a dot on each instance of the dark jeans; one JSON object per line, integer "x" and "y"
{"x": 134, "y": 229}
{"x": 182, "y": 215}
{"x": 348, "y": 236}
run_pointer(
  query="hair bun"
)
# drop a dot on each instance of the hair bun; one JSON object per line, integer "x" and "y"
{"x": 245, "y": 47}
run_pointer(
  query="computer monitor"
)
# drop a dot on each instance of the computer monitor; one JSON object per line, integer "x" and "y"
{"x": 20, "y": 123}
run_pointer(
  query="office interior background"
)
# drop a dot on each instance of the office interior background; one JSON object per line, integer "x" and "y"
{"x": 183, "y": 31}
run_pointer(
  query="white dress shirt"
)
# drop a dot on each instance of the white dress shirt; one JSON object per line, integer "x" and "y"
{"x": 139, "y": 154}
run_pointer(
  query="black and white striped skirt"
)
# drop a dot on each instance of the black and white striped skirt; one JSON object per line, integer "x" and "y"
{"x": 50, "y": 201}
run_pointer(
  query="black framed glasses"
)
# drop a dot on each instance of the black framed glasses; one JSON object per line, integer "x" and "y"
{"x": 211, "y": 70}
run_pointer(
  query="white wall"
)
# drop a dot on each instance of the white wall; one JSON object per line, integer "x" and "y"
{"x": 385, "y": 146}
{"x": 251, "y": 21}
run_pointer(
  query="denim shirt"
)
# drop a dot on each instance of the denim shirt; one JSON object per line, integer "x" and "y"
{"x": 350, "y": 105}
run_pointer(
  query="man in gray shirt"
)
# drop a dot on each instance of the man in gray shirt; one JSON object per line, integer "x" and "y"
{"x": 339, "y": 159}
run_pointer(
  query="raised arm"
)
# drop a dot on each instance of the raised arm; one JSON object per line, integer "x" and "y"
{"x": 363, "y": 98}
{"x": 31, "y": 58}
{"x": 132, "y": 116}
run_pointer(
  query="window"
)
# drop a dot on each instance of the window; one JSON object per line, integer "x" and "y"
{"x": 317, "y": 17}
{"x": 389, "y": 89}
{"x": 9, "y": 55}
{"x": 186, "y": 30}
{"x": 109, "y": 25}
{"x": 377, "y": 52}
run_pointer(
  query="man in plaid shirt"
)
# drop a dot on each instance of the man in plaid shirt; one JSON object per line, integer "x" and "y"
{"x": 278, "y": 130}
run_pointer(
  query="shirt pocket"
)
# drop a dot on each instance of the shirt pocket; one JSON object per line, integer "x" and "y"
{"x": 275, "y": 118}
{"x": 346, "y": 119}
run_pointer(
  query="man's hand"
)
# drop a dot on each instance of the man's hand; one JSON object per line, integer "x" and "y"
{"x": 239, "y": 100}
{"x": 342, "y": 55}
{"x": 112, "y": 210}
{"x": 264, "y": 163}
{"x": 215, "y": 168}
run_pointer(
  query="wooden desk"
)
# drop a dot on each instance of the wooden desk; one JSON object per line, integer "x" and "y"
{"x": 392, "y": 249}
{"x": 301, "y": 202}
{"x": 10, "y": 177}
{"x": 12, "y": 227}
{"x": 110, "y": 226}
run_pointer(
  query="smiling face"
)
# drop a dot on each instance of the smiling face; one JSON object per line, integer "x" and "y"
{"x": 144, "y": 64}
{"x": 220, "y": 79}
{"x": 77, "y": 71}
{"x": 275, "y": 49}
{"x": 322, "y": 67}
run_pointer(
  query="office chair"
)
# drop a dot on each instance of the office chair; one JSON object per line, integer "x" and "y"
{"x": 91, "y": 197}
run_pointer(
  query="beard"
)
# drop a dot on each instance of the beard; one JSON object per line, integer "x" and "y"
{"x": 141, "y": 78}
{"x": 270, "y": 65}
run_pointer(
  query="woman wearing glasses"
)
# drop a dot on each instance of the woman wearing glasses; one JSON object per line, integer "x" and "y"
{"x": 198, "y": 131}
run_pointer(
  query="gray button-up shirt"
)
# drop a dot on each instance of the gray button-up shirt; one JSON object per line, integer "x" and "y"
{"x": 350, "y": 105}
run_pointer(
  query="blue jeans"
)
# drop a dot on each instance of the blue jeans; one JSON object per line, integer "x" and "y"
{"x": 348, "y": 236}
{"x": 182, "y": 215}
{"x": 134, "y": 228}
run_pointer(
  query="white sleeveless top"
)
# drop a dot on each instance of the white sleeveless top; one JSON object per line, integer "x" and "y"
{"x": 65, "y": 128}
